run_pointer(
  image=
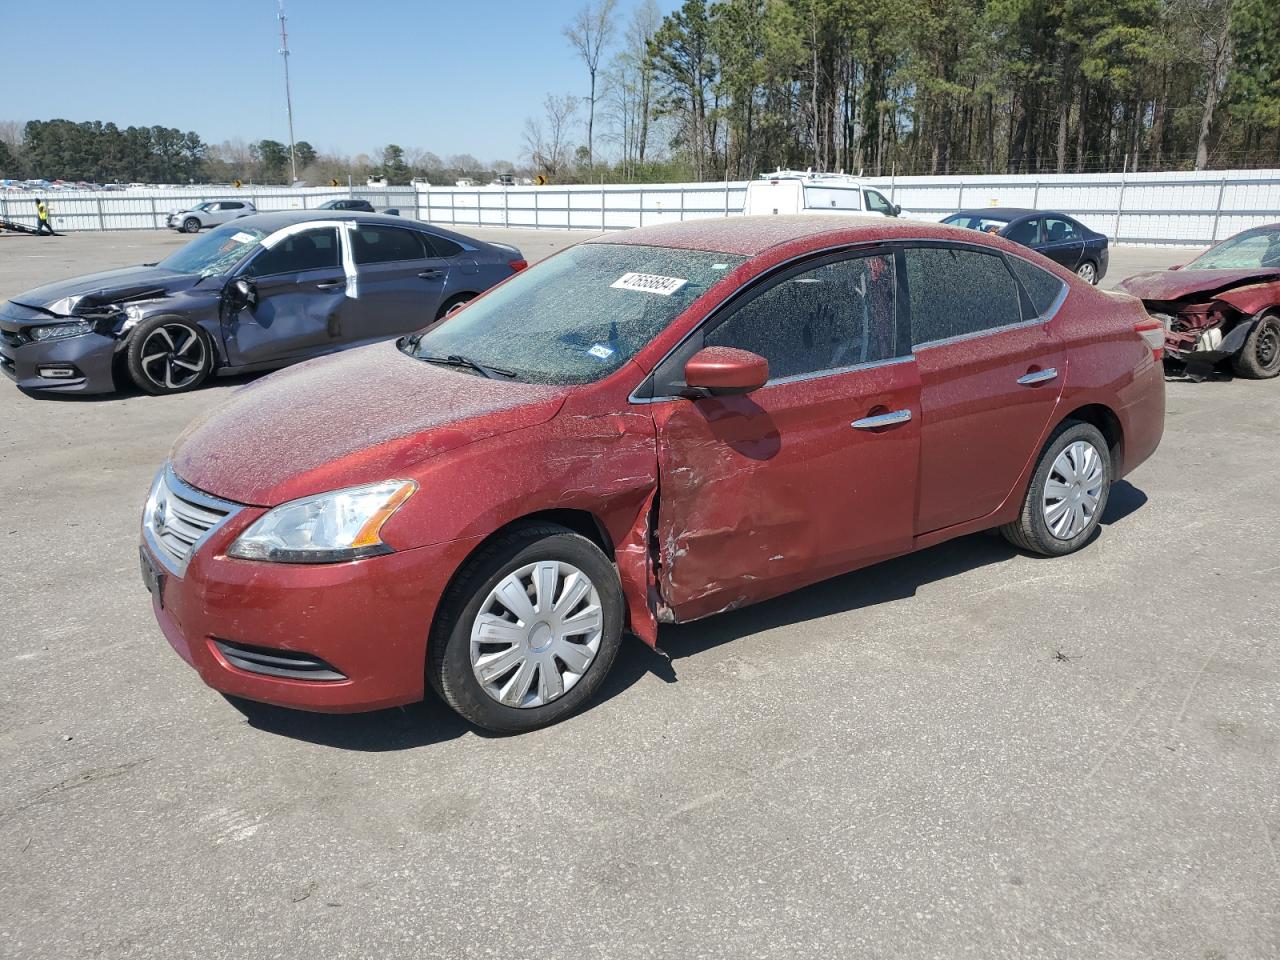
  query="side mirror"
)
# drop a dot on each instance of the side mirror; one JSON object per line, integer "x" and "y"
{"x": 1177, "y": 266}
{"x": 897, "y": 210}
{"x": 243, "y": 293}
{"x": 391, "y": 212}
{"x": 726, "y": 371}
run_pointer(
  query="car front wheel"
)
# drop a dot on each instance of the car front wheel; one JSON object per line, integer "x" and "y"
{"x": 1088, "y": 272}
{"x": 169, "y": 355}
{"x": 1259, "y": 358}
{"x": 191, "y": 225}
{"x": 1067, "y": 494}
{"x": 528, "y": 630}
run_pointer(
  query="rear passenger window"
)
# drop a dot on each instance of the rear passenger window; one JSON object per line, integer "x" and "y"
{"x": 955, "y": 292}
{"x": 386, "y": 245}
{"x": 835, "y": 315}
{"x": 444, "y": 247}
{"x": 1041, "y": 285}
{"x": 312, "y": 250}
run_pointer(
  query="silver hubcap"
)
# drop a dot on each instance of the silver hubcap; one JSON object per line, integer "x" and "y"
{"x": 1073, "y": 490}
{"x": 173, "y": 356}
{"x": 1086, "y": 272}
{"x": 536, "y": 634}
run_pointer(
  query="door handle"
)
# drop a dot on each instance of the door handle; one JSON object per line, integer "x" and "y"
{"x": 882, "y": 420}
{"x": 1038, "y": 376}
{"x": 431, "y": 274}
{"x": 330, "y": 284}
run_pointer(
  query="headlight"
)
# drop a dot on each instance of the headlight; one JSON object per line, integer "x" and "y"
{"x": 58, "y": 331}
{"x": 327, "y": 528}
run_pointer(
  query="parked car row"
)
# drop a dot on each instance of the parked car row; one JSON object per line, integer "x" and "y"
{"x": 259, "y": 292}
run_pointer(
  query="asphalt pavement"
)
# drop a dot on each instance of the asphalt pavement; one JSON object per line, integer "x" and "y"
{"x": 964, "y": 752}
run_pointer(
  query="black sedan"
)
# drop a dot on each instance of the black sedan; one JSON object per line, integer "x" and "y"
{"x": 1057, "y": 236}
{"x": 257, "y": 293}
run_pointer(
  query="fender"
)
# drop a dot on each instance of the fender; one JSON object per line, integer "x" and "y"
{"x": 1233, "y": 342}
{"x": 1253, "y": 298}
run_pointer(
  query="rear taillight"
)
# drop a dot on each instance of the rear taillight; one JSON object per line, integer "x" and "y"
{"x": 518, "y": 265}
{"x": 1152, "y": 331}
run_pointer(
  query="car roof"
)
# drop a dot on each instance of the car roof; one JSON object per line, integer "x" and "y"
{"x": 751, "y": 236}
{"x": 275, "y": 220}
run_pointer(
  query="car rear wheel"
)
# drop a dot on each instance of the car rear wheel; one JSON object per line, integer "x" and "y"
{"x": 1259, "y": 358}
{"x": 453, "y": 303}
{"x": 1067, "y": 494}
{"x": 1088, "y": 272}
{"x": 191, "y": 225}
{"x": 528, "y": 630}
{"x": 169, "y": 355}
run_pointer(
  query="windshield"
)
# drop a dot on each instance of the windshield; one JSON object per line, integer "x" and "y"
{"x": 214, "y": 253}
{"x": 579, "y": 316}
{"x": 971, "y": 221}
{"x": 1253, "y": 248}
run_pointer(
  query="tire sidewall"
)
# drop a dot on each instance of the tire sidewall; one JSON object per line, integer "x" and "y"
{"x": 452, "y": 304}
{"x": 187, "y": 225}
{"x": 1250, "y": 363}
{"x": 134, "y": 356}
{"x": 1035, "y": 495}
{"x": 463, "y": 690}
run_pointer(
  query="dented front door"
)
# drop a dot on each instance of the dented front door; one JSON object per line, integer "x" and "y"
{"x": 765, "y": 493}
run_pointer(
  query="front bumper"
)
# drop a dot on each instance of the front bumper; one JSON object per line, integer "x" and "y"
{"x": 89, "y": 358}
{"x": 366, "y": 621}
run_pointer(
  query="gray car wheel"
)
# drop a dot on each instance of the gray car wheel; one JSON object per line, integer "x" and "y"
{"x": 169, "y": 355}
{"x": 1087, "y": 272}
{"x": 191, "y": 225}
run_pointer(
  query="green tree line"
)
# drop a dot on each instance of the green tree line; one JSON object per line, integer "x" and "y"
{"x": 951, "y": 86}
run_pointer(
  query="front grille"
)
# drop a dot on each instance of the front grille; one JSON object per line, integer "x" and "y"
{"x": 276, "y": 663}
{"x": 178, "y": 518}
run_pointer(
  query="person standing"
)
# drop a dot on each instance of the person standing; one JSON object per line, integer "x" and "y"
{"x": 42, "y": 219}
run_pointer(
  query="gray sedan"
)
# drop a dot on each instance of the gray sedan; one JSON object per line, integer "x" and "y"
{"x": 260, "y": 292}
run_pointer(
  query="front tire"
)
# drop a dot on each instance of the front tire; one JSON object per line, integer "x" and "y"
{"x": 169, "y": 355}
{"x": 191, "y": 225}
{"x": 528, "y": 629}
{"x": 1088, "y": 272}
{"x": 1259, "y": 358}
{"x": 1067, "y": 494}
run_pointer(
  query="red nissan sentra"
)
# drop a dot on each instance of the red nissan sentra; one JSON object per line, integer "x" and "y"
{"x": 648, "y": 428}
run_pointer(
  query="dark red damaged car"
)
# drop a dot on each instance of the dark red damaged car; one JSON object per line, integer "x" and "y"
{"x": 1222, "y": 306}
{"x": 648, "y": 428}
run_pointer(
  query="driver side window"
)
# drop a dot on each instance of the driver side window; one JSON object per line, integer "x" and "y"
{"x": 310, "y": 250}
{"x": 839, "y": 314}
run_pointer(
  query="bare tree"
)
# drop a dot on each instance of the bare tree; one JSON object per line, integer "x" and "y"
{"x": 1211, "y": 20}
{"x": 11, "y": 132}
{"x": 589, "y": 34}
{"x": 547, "y": 146}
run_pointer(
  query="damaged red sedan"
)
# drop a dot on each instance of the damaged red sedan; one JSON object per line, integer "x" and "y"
{"x": 1222, "y": 306}
{"x": 648, "y": 428}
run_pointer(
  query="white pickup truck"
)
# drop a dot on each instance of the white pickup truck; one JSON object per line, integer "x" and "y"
{"x": 792, "y": 191}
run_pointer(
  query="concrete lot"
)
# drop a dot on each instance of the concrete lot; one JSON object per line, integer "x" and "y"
{"x": 966, "y": 752}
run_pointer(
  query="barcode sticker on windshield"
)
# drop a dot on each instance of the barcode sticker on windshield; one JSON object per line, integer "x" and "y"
{"x": 242, "y": 237}
{"x": 649, "y": 283}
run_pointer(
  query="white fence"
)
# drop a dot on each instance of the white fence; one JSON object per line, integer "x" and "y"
{"x": 1187, "y": 209}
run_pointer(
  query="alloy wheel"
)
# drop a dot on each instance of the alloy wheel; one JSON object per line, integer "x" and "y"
{"x": 1073, "y": 490}
{"x": 537, "y": 633}
{"x": 1087, "y": 272}
{"x": 173, "y": 356}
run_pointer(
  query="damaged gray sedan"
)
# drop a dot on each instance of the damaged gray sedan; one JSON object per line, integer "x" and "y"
{"x": 258, "y": 293}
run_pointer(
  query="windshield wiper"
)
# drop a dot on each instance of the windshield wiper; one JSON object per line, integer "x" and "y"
{"x": 457, "y": 360}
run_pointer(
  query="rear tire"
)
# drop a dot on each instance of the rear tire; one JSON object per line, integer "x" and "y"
{"x": 452, "y": 304}
{"x": 1259, "y": 358}
{"x": 1088, "y": 272}
{"x": 459, "y": 655}
{"x": 1067, "y": 494}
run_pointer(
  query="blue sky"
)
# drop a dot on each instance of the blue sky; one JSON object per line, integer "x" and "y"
{"x": 450, "y": 77}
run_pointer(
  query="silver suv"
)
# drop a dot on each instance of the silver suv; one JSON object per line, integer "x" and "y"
{"x": 209, "y": 213}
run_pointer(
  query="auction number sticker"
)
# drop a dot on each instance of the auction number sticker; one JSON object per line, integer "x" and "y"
{"x": 242, "y": 237}
{"x": 649, "y": 283}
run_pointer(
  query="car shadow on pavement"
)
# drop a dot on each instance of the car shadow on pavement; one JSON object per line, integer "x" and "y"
{"x": 129, "y": 391}
{"x": 432, "y": 721}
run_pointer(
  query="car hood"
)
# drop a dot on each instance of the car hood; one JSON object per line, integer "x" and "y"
{"x": 1176, "y": 284}
{"x": 68, "y": 297}
{"x": 357, "y": 417}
